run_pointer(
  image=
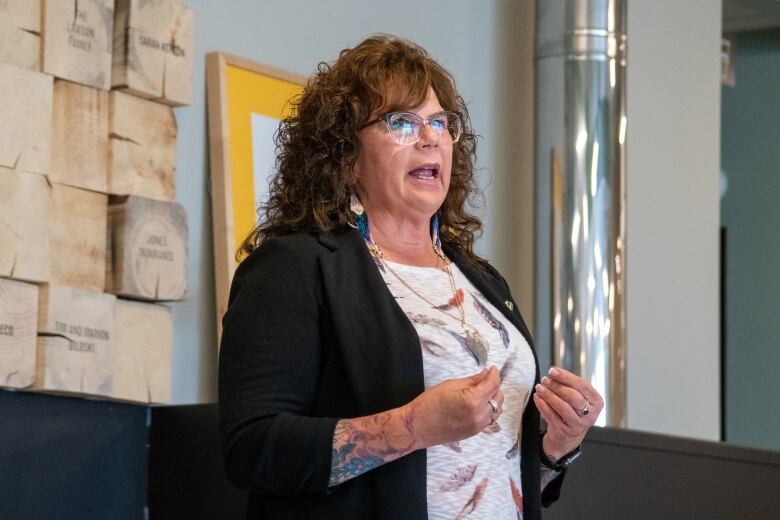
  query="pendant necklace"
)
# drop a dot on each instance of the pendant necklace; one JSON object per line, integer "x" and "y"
{"x": 475, "y": 341}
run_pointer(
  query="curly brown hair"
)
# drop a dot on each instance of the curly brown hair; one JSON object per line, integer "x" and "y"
{"x": 317, "y": 147}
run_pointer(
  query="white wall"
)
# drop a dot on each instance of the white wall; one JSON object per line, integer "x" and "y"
{"x": 672, "y": 267}
{"x": 482, "y": 43}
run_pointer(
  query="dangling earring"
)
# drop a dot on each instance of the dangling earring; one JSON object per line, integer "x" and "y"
{"x": 361, "y": 220}
{"x": 355, "y": 208}
{"x": 436, "y": 238}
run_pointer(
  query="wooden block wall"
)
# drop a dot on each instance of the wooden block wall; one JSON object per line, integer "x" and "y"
{"x": 77, "y": 237}
{"x": 65, "y": 144}
{"x": 148, "y": 249}
{"x": 18, "y": 325}
{"x": 80, "y": 136}
{"x": 20, "y": 33}
{"x": 143, "y": 333}
{"x": 143, "y": 148}
{"x": 153, "y": 50}
{"x": 24, "y": 226}
{"x": 77, "y": 40}
{"x": 25, "y": 119}
{"x": 76, "y": 340}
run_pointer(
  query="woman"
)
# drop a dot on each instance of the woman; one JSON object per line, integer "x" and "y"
{"x": 372, "y": 366}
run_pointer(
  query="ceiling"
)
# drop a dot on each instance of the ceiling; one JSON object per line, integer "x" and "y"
{"x": 750, "y": 15}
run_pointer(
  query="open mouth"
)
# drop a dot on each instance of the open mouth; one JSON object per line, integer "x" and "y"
{"x": 426, "y": 172}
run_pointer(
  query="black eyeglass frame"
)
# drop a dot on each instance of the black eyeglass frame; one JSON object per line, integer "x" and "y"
{"x": 385, "y": 118}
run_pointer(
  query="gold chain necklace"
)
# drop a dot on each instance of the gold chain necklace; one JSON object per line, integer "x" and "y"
{"x": 475, "y": 341}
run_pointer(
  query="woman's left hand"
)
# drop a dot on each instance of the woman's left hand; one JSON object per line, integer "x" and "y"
{"x": 570, "y": 405}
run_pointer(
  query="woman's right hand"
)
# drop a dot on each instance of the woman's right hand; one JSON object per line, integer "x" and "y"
{"x": 455, "y": 409}
{"x": 450, "y": 411}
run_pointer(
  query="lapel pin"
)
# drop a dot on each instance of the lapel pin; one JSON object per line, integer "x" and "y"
{"x": 510, "y": 305}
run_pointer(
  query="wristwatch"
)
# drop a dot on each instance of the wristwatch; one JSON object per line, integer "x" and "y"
{"x": 563, "y": 462}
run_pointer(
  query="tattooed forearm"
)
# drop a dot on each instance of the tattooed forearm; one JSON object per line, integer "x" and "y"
{"x": 364, "y": 443}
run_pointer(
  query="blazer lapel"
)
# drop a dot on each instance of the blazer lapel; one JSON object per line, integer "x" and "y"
{"x": 379, "y": 346}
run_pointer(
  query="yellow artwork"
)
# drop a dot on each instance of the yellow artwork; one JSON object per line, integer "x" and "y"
{"x": 246, "y": 101}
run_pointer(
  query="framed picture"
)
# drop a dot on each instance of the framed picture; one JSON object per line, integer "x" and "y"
{"x": 246, "y": 100}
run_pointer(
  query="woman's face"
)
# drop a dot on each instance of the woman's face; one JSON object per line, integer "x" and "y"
{"x": 406, "y": 181}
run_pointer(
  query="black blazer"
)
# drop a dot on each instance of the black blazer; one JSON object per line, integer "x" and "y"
{"x": 312, "y": 335}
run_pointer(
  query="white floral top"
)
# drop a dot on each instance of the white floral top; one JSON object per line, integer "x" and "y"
{"x": 477, "y": 477}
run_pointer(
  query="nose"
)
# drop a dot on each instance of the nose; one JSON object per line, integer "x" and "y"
{"x": 428, "y": 136}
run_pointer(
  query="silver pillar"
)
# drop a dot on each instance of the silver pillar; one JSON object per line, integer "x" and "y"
{"x": 580, "y": 173}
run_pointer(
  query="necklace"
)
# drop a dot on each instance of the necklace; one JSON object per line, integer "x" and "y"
{"x": 475, "y": 341}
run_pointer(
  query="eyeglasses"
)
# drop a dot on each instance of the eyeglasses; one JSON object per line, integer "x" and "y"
{"x": 406, "y": 127}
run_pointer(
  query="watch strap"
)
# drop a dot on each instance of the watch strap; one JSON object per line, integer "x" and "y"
{"x": 563, "y": 462}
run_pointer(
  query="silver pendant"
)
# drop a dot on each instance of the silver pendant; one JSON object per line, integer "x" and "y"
{"x": 478, "y": 346}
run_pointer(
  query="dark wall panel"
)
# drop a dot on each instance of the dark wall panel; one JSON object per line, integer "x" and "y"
{"x": 638, "y": 476}
{"x": 68, "y": 458}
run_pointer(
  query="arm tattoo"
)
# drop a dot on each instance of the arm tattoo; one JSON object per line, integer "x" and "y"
{"x": 364, "y": 443}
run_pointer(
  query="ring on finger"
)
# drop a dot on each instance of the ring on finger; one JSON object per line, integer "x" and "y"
{"x": 494, "y": 415}
{"x": 585, "y": 409}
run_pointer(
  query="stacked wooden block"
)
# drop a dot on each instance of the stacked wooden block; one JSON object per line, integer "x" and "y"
{"x": 91, "y": 238}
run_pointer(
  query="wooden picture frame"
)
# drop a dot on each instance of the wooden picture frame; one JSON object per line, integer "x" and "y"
{"x": 245, "y": 102}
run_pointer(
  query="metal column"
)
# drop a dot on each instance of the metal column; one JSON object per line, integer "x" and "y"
{"x": 580, "y": 173}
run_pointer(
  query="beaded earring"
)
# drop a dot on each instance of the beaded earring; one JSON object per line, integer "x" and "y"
{"x": 359, "y": 214}
{"x": 361, "y": 223}
{"x": 361, "y": 220}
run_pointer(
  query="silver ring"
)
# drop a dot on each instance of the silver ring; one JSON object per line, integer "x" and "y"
{"x": 494, "y": 405}
{"x": 586, "y": 410}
